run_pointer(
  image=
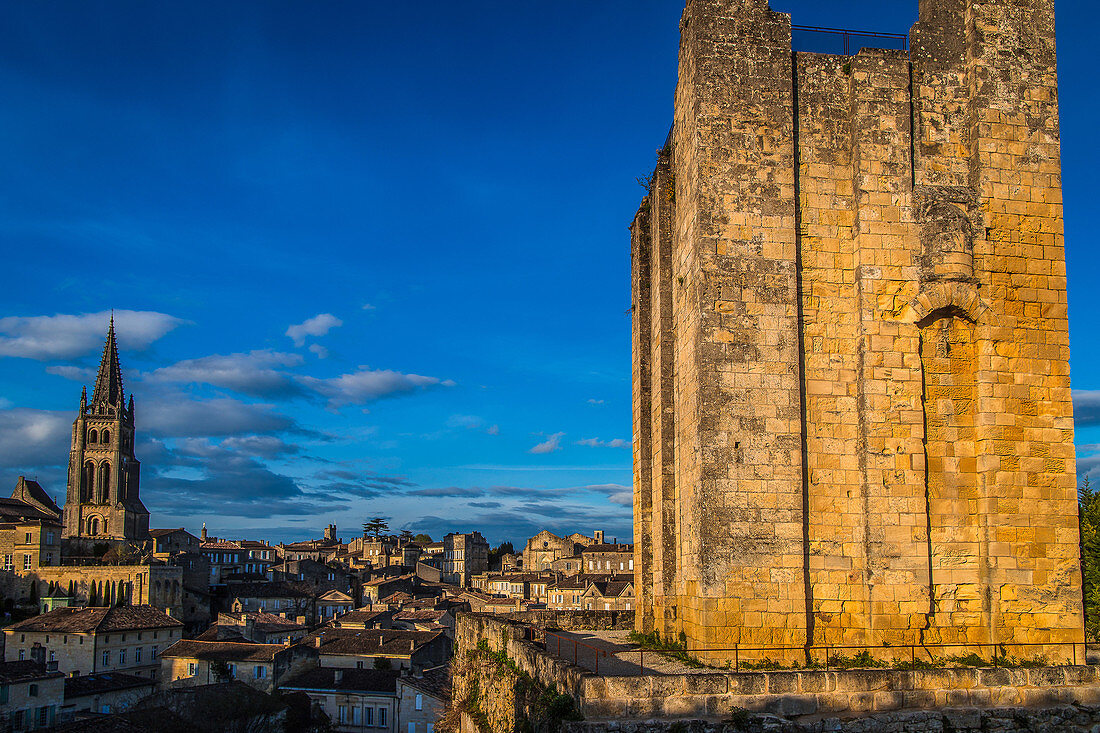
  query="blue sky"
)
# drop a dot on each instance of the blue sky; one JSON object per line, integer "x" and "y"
{"x": 367, "y": 258}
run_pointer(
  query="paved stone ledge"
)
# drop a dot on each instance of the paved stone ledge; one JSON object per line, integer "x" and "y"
{"x": 1060, "y": 719}
{"x": 819, "y": 692}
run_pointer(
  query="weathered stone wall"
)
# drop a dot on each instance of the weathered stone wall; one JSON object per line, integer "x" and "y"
{"x": 720, "y": 694}
{"x": 852, "y": 411}
{"x": 1065, "y": 719}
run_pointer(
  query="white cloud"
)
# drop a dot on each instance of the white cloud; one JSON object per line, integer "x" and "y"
{"x": 594, "y": 401}
{"x": 34, "y": 437}
{"x": 369, "y": 307}
{"x": 549, "y": 445}
{"x": 319, "y": 325}
{"x": 182, "y": 417}
{"x": 253, "y": 373}
{"x": 365, "y": 385}
{"x": 597, "y": 443}
{"x": 320, "y": 351}
{"x": 75, "y": 373}
{"x": 65, "y": 336}
{"x": 464, "y": 421}
{"x": 493, "y": 430}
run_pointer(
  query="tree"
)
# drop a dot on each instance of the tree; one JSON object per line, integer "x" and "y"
{"x": 423, "y": 538}
{"x": 406, "y": 536}
{"x": 376, "y": 526}
{"x": 495, "y": 554}
{"x": 1089, "y": 513}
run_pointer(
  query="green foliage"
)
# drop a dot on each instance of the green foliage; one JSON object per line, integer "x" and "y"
{"x": 495, "y": 554}
{"x": 763, "y": 665}
{"x": 1089, "y": 513}
{"x": 546, "y": 709}
{"x": 422, "y": 537}
{"x": 667, "y": 647}
{"x": 858, "y": 661}
{"x": 375, "y": 526}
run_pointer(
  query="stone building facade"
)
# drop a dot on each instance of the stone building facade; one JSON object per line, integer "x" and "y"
{"x": 852, "y": 412}
{"x": 464, "y": 555}
{"x": 91, "y": 640}
{"x": 102, "y": 502}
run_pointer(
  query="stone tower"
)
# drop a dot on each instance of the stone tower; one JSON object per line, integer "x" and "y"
{"x": 852, "y": 410}
{"x": 102, "y": 501}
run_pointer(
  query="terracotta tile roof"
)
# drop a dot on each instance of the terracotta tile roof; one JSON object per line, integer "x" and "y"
{"x": 379, "y": 581}
{"x": 39, "y": 494}
{"x": 24, "y": 671}
{"x": 351, "y": 680}
{"x": 267, "y": 621}
{"x": 426, "y": 614}
{"x": 221, "y": 545}
{"x": 391, "y": 642}
{"x": 95, "y": 684}
{"x": 16, "y": 510}
{"x": 162, "y": 532}
{"x": 98, "y": 620}
{"x": 228, "y": 651}
{"x": 436, "y": 682}
{"x": 363, "y": 616}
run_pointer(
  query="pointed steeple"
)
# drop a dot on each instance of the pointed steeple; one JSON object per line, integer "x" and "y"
{"x": 108, "y": 383}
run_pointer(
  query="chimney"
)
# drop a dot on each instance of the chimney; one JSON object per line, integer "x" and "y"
{"x": 337, "y": 676}
{"x": 203, "y": 535}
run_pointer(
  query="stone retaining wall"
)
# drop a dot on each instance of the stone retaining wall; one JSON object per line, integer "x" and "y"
{"x": 1063, "y": 719}
{"x": 721, "y": 695}
{"x": 718, "y": 695}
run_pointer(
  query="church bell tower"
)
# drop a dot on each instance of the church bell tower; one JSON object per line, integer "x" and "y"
{"x": 102, "y": 502}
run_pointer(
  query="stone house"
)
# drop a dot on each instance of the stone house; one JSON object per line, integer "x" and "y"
{"x": 30, "y": 695}
{"x": 190, "y": 662}
{"x": 608, "y": 595}
{"x": 568, "y": 592}
{"x": 94, "y": 640}
{"x": 319, "y": 577}
{"x": 365, "y": 618}
{"x": 277, "y": 597}
{"x": 570, "y": 565}
{"x": 29, "y": 537}
{"x": 108, "y": 693}
{"x": 171, "y": 541}
{"x": 259, "y": 628}
{"x": 422, "y": 698}
{"x": 377, "y": 589}
{"x": 360, "y": 648}
{"x": 464, "y": 555}
{"x": 426, "y": 619}
{"x": 333, "y": 604}
{"x": 319, "y": 550}
{"x": 353, "y": 699}
{"x": 237, "y": 557}
{"x": 608, "y": 558}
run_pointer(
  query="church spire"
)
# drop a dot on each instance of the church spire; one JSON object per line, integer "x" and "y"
{"x": 108, "y": 383}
